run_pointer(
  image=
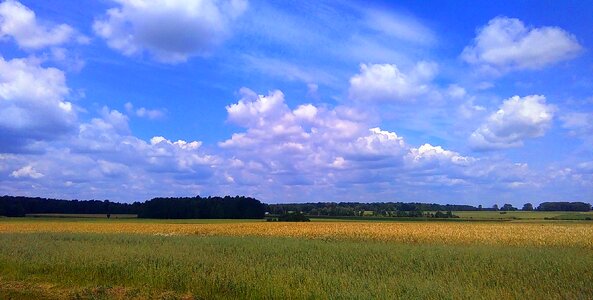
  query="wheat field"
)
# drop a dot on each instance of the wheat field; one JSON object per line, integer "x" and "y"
{"x": 148, "y": 259}
{"x": 573, "y": 234}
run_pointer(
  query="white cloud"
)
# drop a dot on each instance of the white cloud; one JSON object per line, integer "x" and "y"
{"x": 385, "y": 82}
{"x": 104, "y": 160}
{"x": 20, "y": 23}
{"x": 32, "y": 104}
{"x": 26, "y": 171}
{"x": 456, "y": 92}
{"x": 517, "y": 119}
{"x": 506, "y": 44}
{"x": 308, "y": 152}
{"x": 284, "y": 149}
{"x": 428, "y": 152}
{"x": 142, "y": 112}
{"x": 171, "y": 31}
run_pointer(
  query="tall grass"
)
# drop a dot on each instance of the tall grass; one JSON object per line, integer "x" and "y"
{"x": 275, "y": 267}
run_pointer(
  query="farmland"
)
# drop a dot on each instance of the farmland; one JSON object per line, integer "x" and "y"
{"x": 127, "y": 258}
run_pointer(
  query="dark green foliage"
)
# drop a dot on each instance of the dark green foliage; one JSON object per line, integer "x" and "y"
{"x": 293, "y": 217}
{"x": 508, "y": 207}
{"x": 399, "y": 209}
{"x": 443, "y": 215}
{"x": 527, "y": 207}
{"x": 19, "y": 206}
{"x": 237, "y": 207}
{"x": 158, "y": 208}
{"x": 564, "y": 206}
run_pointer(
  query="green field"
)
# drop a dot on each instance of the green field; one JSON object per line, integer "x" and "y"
{"x": 525, "y": 215}
{"x": 475, "y": 216}
{"x": 114, "y": 265}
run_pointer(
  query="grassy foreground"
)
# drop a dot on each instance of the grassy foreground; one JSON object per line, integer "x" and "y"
{"x": 126, "y": 265}
{"x": 127, "y": 260}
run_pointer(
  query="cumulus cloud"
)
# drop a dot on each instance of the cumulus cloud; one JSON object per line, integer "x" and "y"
{"x": 20, "y": 23}
{"x": 284, "y": 149}
{"x": 309, "y": 151}
{"x": 32, "y": 103}
{"x": 385, "y": 82}
{"x": 26, "y": 171}
{"x": 105, "y": 160}
{"x": 171, "y": 31}
{"x": 517, "y": 119}
{"x": 506, "y": 44}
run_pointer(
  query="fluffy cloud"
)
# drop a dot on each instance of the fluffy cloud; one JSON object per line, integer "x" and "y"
{"x": 104, "y": 160}
{"x": 32, "y": 104}
{"x": 19, "y": 22}
{"x": 385, "y": 82}
{"x": 170, "y": 30}
{"x": 290, "y": 151}
{"x": 506, "y": 44}
{"x": 26, "y": 171}
{"x": 517, "y": 119}
{"x": 308, "y": 152}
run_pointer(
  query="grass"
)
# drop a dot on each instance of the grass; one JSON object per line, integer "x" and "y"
{"x": 251, "y": 259}
{"x": 64, "y": 265}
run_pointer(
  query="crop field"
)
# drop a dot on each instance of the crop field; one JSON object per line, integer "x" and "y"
{"x": 524, "y": 215}
{"x": 205, "y": 259}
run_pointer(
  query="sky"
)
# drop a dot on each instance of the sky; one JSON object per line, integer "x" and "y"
{"x": 476, "y": 102}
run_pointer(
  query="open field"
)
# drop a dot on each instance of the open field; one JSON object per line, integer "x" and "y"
{"x": 525, "y": 215}
{"x": 84, "y": 258}
{"x": 476, "y": 216}
{"x": 576, "y": 234}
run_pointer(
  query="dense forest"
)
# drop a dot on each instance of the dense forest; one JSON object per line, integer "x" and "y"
{"x": 203, "y": 208}
{"x": 239, "y": 207}
{"x": 159, "y": 208}
{"x": 19, "y": 206}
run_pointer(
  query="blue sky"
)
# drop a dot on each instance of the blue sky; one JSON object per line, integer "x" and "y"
{"x": 297, "y": 101}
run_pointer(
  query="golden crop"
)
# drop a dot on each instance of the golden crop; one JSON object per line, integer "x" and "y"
{"x": 534, "y": 234}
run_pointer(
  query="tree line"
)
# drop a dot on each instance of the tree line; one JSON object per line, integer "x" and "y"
{"x": 398, "y": 209}
{"x": 240, "y": 207}
{"x": 227, "y": 207}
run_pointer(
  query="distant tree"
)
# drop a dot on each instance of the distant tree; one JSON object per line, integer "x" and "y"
{"x": 439, "y": 214}
{"x": 480, "y": 207}
{"x": 293, "y": 217}
{"x": 564, "y": 206}
{"x": 495, "y": 207}
{"x": 508, "y": 207}
{"x": 527, "y": 207}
